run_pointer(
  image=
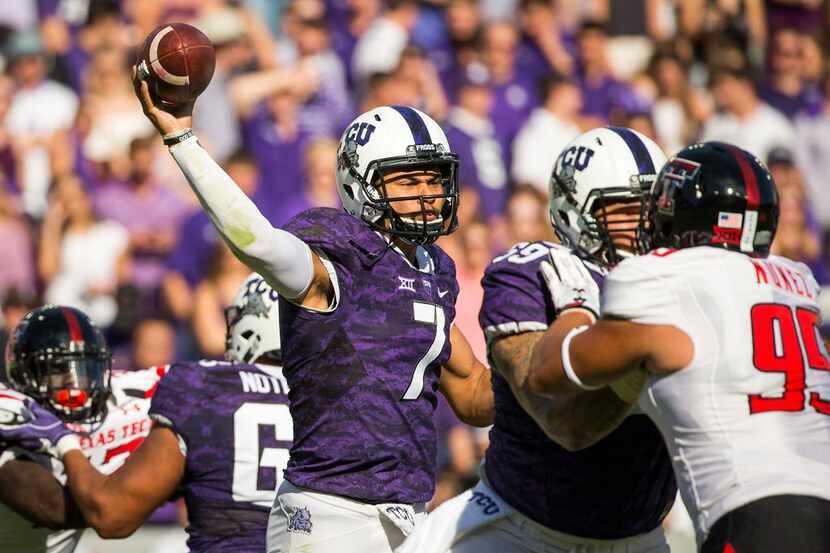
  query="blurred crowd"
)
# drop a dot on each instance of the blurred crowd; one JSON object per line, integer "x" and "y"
{"x": 94, "y": 213}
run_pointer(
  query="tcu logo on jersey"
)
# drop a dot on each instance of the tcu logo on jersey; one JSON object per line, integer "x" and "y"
{"x": 577, "y": 157}
{"x": 360, "y": 133}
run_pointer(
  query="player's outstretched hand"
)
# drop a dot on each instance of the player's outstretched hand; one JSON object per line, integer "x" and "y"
{"x": 26, "y": 424}
{"x": 569, "y": 282}
{"x": 177, "y": 119}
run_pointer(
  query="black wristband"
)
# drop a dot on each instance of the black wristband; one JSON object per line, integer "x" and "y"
{"x": 179, "y": 136}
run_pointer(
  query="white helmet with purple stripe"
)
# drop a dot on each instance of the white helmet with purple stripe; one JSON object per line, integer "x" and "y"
{"x": 393, "y": 139}
{"x": 604, "y": 170}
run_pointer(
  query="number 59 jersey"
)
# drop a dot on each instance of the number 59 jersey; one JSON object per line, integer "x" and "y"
{"x": 750, "y": 416}
{"x": 234, "y": 430}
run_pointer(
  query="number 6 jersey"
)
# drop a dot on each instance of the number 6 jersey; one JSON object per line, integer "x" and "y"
{"x": 234, "y": 431}
{"x": 750, "y": 416}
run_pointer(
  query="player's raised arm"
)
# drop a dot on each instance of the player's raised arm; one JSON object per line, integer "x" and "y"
{"x": 465, "y": 382}
{"x": 285, "y": 261}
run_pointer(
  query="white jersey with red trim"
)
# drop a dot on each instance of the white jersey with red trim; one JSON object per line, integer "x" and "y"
{"x": 107, "y": 446}
{"x": 750, "y": 416}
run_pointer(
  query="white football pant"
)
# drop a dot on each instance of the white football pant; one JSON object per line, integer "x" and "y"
{"x": 479, "y": 521}
{"x": 305, "y": 521}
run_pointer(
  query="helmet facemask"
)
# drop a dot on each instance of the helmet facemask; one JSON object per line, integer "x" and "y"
{"x": 424, "y": 226}
{"x": 606, "y": 226}
{"x": 72, "y": 384}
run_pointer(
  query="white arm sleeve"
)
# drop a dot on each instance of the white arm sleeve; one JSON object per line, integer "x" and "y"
{"x": 283, "y": 260}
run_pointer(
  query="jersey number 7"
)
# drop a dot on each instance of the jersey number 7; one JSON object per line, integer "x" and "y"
{"x": 434, "y": 315}
{"x": 778, "y": 337}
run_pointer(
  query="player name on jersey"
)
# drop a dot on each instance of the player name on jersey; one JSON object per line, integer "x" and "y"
{"x": 782, "y": 277}
{"x": 263, "y": 384}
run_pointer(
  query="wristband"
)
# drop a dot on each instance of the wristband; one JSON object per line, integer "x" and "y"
{"x": 566, "y": 358}
{"x": 66, "y": 444}
{"x": 173, "y": 138}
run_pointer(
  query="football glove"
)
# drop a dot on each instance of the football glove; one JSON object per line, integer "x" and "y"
{"x": 569, "y": 282}
{"x": 26, "y": 424}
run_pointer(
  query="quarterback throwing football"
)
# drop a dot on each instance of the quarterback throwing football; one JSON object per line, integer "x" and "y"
{"x": 367, "y": 307}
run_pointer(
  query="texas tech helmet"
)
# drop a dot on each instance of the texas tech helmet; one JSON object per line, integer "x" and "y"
{"x": 59, "y": 358}
{"x": 712, "y": 194}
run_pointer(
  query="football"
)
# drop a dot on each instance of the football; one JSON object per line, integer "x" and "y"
{"x": 177, "y": 61}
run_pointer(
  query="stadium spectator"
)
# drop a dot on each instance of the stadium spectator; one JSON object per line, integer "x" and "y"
{"x": 604, "y": 97}
{"x": 16, "y": 246}
{"x": 799, "y": 234}
{"x": 379, "y": 49}
{"x": 634, "y": 27}
{"x": 527, "y": 217}
{"x": 812, "y": 58}
{"x": 713, "y": 24}
{"x": 39, "y": 108}
{"x": 475, "y": 255}
{"x": 514, "y": 93}
{"x": 348, "y": 21}
{"x": 679, "y": 108}
{"x": 812, "y": 154}
{"x": 74, "y": 37}
{"x": 542, "y": 49}
{"x": 213, "y": 293}
{"x": 459, "y": 46}
{"x": 154, "y": 345}
{"x": 81, "y": 258}
{"x": 114, "y": 117}
{"x": 387, "y": 89}
{"x": 415, "y": 67}
{"x": 548, "y": 129}
{"x": 745, "y": 120}
{"x": 13, "y": 307}
{"x": 807, "y": 16}
{"x": 270, "y": 103}
{"x": 330, "y": 109}
{"x": 150, "y": 212}
{"x": 318, "y": 186}
{"x": 785, "y": 87}
{"x": 474, "y": 138}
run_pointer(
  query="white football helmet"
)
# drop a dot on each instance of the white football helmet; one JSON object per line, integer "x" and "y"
{"x": 395, "y": 138}
{"x": 253, "y": 324}
{"x": 599, "y": 167}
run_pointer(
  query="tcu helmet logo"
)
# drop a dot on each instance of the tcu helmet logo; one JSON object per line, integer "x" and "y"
{"x": 577, "y": 157}
{"x": 360, "y": 133}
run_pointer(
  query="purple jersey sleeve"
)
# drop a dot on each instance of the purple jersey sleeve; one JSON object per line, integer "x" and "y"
{"x": 515, "y": 296}
{"x": 236, "y": 428}
{"x": 331, "y": 232}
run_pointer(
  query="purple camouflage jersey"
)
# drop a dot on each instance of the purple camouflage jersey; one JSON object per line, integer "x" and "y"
{"x": 621, "y": 486}
{"x": 233, "y": 420}
{"x": 364, "y": 377}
